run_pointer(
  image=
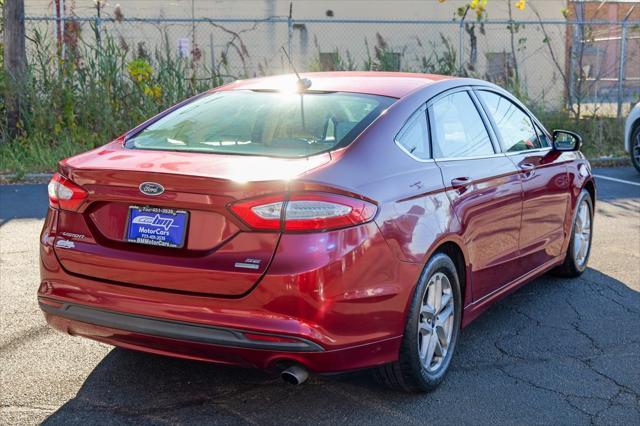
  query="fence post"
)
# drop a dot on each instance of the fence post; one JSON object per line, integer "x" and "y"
{"x": 576, "y": 39}
{"x": 214, "y": 74}
{"x": 61, "y": 17}
{"x": 289, "y": 31}
{"x": 621, "y": 65}
{"x": 461, "y": 41}
{"x": 15, "y": 59}
{"x": 98, "y": 23}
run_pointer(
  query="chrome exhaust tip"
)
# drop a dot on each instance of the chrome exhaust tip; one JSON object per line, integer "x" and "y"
{"x": 296, "y": 375}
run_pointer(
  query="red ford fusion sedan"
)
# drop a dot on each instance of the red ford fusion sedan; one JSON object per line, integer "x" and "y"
{"x": 337, "y": 222}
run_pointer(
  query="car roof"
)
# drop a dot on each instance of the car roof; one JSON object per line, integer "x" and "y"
{"x": 392, "y": 84}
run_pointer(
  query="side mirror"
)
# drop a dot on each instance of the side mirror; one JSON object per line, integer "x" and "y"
{"x": 564, "y": 140}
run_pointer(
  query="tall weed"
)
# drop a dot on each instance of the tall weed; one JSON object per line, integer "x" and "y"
{"x": 97, "y": 92}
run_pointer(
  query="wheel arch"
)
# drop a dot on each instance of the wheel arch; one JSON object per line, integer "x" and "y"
{"x": 591, "y": 189}
{"x": 629, "y": 133}
{"x": 457, "y": 255}
{"x": 452, "y": 246}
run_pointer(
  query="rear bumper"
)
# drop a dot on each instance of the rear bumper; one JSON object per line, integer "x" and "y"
{"x": 260, "y": 355}
{"x": 333, "y": 302}
{"x": 188, "y": 332}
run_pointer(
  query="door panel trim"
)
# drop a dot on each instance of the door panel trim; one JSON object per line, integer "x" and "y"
{"x": 475, "y": 308}
{"x": 478, "y": 157}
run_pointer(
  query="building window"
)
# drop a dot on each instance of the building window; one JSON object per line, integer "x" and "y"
{"x": 328, "y": 61}
{"x": 499, "y": 67}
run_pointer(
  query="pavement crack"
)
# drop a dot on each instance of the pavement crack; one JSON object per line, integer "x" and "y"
{"x": 377, "y": 406}
{"x": 25, "y": 337}
{"x": 152, "y": 412}
{"x": 516, "y": 332}
{"x": 576, "y": 326}
{"x": 28, "y": 407}
{"x": 597, "y": 287}
{"x": 565, "y": 396}
{"x": 587, "y": 363}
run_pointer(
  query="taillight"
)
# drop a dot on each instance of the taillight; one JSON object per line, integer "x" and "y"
{"x": 64, "y": 194}
{"x": 261, "y": 213}
{"x": 325, "y": 211}
{"x": 311, "y": 211}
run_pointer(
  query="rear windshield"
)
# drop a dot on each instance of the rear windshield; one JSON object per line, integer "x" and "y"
{"x": 263, "y": 123}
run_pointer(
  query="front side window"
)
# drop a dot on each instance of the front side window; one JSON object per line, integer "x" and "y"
{"x": 263, "y": 123}
{"x": 457, "y": 128}
{"x": 545, "y": 142}
{"x": 414, "y": 136}
{"x": 515, "y": 127}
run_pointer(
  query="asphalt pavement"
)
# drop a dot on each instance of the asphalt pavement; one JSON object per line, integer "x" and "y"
{"x": 557, "y": 351}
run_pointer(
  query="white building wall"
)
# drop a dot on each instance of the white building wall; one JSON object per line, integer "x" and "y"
{"x": 257, "y": 48}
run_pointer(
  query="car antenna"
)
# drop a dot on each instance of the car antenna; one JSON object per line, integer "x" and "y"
{"x": 302, "y": 83}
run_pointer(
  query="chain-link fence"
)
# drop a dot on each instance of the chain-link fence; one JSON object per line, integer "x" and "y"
{"x": 585, "y": 66}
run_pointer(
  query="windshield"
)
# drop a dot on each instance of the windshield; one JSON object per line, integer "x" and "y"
{"x": 263, "y": 123}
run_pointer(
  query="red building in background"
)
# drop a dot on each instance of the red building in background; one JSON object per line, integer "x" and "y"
{"x": 603, "y": 51}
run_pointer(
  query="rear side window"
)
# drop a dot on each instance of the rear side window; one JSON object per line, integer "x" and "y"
{"x": 515, "y": 127}
{"x": 263, "y": 123}
{"x": 457, "y": 128}
{"x": 414, "y": 136}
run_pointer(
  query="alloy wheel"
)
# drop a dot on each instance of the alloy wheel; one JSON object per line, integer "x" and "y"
{"x": 435, "y": 326}
{"x": 582, "y": 234}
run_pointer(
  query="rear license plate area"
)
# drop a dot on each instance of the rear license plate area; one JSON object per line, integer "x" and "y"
{"x": 157, "y": 226}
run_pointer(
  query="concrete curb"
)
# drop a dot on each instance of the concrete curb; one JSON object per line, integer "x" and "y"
{"x": 610, "y": 162}
{"x": 14, "y": 178}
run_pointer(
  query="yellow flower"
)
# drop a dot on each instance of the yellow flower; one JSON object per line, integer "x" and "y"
{"x": 156, "y": 91}
{"x": 139, "y": 70}
{"x": 153, "y": 91}
{"x": 521, "y": 4}
{"x": 473, "y": 4}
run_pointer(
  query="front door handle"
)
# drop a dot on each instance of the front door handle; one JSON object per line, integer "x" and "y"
{"x": 461, "y": 182}
{"x": 527, "y": 168}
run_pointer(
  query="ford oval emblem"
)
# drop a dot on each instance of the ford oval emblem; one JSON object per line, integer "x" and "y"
{"x": 151, "y": 188}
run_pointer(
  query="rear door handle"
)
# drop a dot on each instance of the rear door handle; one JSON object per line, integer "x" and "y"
{"x": 461, "y": 182}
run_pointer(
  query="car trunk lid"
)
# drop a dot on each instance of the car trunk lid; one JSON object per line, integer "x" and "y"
{"x": 220, "y": 256}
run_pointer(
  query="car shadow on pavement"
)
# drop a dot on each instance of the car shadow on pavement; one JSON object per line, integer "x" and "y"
{"x": 555, "y": 351}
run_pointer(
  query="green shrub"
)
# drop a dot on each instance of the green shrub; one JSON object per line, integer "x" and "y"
{"x": 87, "y": 99}
{"x": 98, "y": 92}
{"x": 601, "y": 136}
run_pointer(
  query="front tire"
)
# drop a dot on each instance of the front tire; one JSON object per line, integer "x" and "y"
{"x": 579, "y": 249}
{"x": 431, "y": 331}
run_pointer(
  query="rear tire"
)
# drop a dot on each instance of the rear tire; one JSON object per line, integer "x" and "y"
{"x": 576, "y": 260}
{"x": 431, "y": 331}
